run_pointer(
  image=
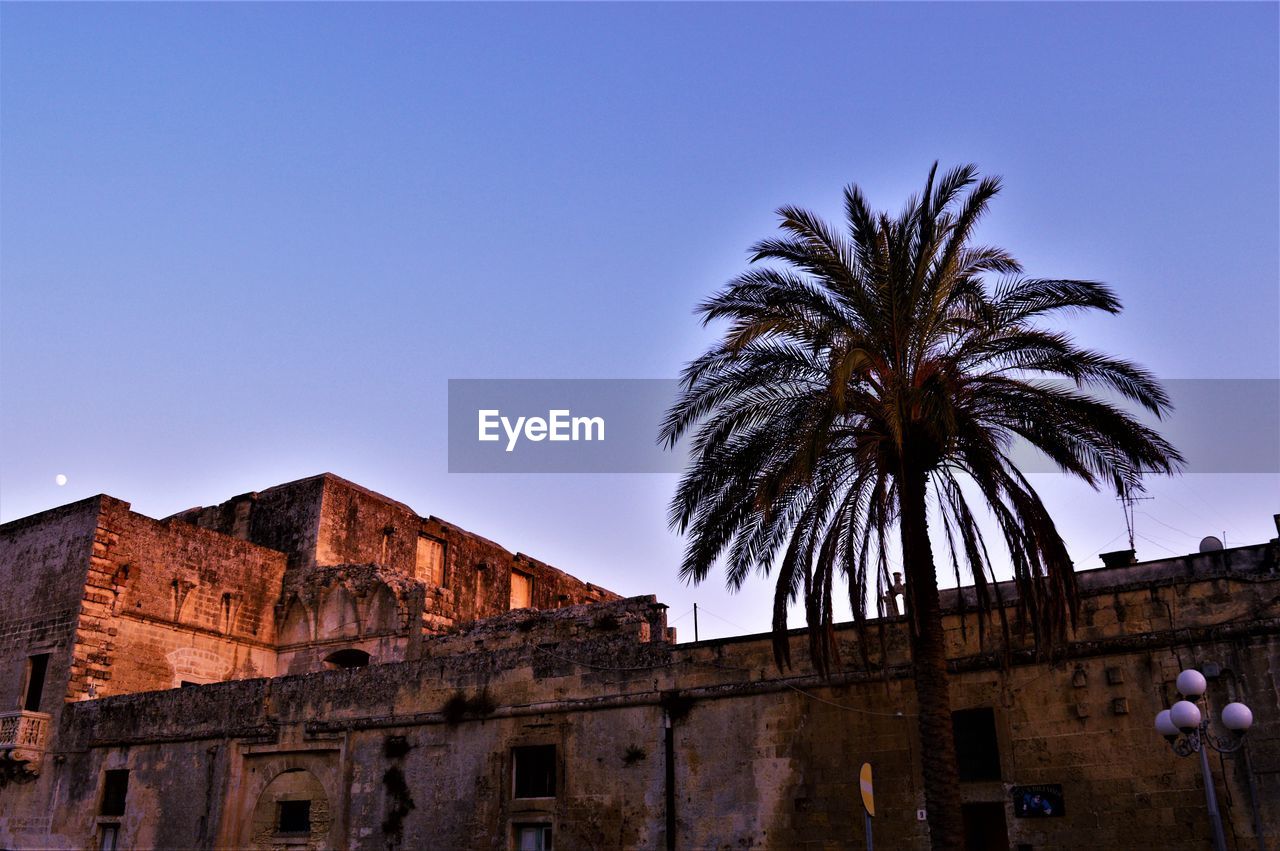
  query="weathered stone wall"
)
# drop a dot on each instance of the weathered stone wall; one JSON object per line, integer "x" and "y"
{"x": 265, "y": 583}
{"x": 420, "y": 752}
{"x": 342, "y": 608}
{"x": 359, "y": 526}
{"x": 327, "y": 521}
{"x": 44, "y": 562}
{"x": 44, "y": 566}
{"x": 284, "y": 518}
{"x": 183, "y": 604}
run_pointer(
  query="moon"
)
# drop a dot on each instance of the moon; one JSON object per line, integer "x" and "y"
{"x": 60, "y": 479}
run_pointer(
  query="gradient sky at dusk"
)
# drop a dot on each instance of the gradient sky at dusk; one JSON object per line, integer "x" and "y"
{"x": 243, "y": 244}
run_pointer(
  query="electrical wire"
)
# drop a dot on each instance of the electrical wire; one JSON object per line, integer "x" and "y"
{"x": 1166, "y": 525}
{"x": 1158, "y": 544}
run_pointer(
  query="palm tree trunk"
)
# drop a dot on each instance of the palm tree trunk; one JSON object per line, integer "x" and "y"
{"x": 929, "y": 661}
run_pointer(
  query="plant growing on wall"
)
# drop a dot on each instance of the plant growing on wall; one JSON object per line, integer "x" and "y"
{"x": 461, "y": 706}
{"x": 873, "y": 377}
{"x": 399, "y": 797}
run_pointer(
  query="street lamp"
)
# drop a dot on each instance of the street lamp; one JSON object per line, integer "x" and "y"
{"x": 1186, "y": 729}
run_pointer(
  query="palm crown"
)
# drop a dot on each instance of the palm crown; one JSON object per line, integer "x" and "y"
{"x": 868, "y": 368}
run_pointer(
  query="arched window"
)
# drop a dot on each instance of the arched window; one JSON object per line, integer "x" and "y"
{"x": 296, "y": 628}
{"x": 338, "y": 617}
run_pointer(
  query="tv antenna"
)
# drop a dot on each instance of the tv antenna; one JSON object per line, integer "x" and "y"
{"x": 1127, "y": 499}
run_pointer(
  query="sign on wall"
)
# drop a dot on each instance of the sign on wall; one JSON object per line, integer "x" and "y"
{"x": 1043, "y": 801}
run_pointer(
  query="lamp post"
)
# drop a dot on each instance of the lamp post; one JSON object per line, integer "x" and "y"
{"x": 1186, "y": 730}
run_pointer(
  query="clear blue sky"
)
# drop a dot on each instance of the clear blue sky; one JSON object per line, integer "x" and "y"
{"x": 243, "y": 244}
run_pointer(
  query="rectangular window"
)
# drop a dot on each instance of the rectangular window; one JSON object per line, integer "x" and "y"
{"x": 533, "y": 837}
{"x": 977, "y": 748}
{"x": 984, "y": 826}
{"x": 108, "y": 837}
{"x": 534, "y": 768}
{"x": 294, "y": 817}
{"x": 37, "y": 669}
{"x": 521, "y": 590}
{"x": 115, "y": 788}
{"x": 429, "y": 567}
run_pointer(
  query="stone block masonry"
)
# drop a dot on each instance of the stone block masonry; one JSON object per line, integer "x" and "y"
{"x": 318, "y": 666}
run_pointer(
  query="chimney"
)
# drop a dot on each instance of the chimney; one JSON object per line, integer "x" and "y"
{"x": 1119, "y": 558}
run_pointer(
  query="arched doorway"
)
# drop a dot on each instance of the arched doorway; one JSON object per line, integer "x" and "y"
{"x": 292, "y": 811}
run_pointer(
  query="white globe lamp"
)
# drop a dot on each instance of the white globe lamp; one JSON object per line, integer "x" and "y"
{"x": 1191, "y": 683}
{"x": 1237, "y": 718}
{"x": 1165, "y": 725}
{"x": 1185, "y": 715}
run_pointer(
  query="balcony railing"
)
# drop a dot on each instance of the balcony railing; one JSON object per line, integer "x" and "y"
{"x": 23, "y": 736}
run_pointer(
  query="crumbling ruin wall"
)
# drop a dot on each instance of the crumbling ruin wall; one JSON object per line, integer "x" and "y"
{"x": 478, "y": 578}
{"x": 284, "y": 518}
{"x": 344, "y": 608}
{"x": 327, "y": 521}
{"x": 358, "y": 525}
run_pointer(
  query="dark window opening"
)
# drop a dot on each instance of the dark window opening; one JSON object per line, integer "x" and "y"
{"x": 109, "y": 837}
{"x": 294, "y": 817}
{"x": 115, "y": 788}
{"x": 533, "y": 837}
{"x": 984, "y": 827}
{"x": 37, "y": 668}
{"x": 535, "y": 771}
{"x": 349, "y": 658}
{"x": 189, "y": 684}
{"x": 977, "y": 749}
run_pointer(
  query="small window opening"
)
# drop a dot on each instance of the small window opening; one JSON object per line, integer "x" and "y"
{"x": 294, "y": 816}
{"x": 429, "y": 562}
{"x": 37, "y": 669}
{"x": 348, "y": 658}
{"x": 535, "y": 771}
{"x": 115, "y": 788}
{"x": 977, "y": 748}
{"x": 521, "y": 590}
{"x": 533, "y": 837}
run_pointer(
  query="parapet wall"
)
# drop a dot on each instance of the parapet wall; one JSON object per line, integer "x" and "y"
{"x": 504, "y": 652}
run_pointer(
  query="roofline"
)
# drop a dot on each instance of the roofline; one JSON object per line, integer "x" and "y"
{"x": 66, "y": 508}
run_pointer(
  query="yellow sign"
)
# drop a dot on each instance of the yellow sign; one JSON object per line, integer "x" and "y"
{"x": 864, "y": 781}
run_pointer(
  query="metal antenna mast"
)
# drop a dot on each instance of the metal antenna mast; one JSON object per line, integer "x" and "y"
{"x": 1127, "y": 499}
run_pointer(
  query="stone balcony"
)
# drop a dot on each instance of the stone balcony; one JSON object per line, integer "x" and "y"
{"x": 23, "y": 737}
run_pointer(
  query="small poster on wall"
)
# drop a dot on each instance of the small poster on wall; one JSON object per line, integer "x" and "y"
{"x": 1043, "y": 801}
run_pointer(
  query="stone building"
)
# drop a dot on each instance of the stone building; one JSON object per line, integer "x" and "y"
{"x": 317, "y": 666}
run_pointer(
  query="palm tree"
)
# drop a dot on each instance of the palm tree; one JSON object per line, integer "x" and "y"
{"x": 868, "y": 375}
